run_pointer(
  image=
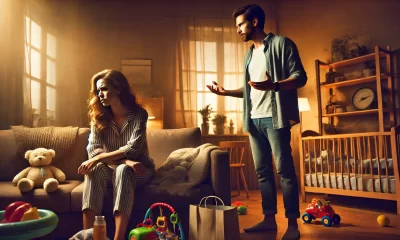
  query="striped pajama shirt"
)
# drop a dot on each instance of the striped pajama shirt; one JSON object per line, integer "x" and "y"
{"x": 133, "y": 142}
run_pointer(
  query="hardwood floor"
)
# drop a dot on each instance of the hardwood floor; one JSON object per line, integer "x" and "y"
{"x": 355, "y": 222}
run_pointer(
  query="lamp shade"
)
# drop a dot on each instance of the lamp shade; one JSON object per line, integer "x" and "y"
{"x": 304, "y": 106}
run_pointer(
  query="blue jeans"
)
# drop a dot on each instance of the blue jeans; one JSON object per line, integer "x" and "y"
{"x": 265, "y": 141}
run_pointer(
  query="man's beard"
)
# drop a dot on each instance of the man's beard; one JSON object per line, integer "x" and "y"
{"x": 248, "y": 36}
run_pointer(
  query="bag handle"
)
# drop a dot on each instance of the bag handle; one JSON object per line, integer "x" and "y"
{"x": 215, "y": 198}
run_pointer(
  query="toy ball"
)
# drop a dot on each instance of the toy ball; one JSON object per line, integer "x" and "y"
{"x": 237, "y": 204}
{"x": 383, "y": 221}
{"x": 242, "y": 210}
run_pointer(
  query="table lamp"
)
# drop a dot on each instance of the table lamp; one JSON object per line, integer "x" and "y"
{"x": 304, "y": 106}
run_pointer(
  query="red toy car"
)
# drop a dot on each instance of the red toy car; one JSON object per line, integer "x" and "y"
{"x": 319, "y": 208}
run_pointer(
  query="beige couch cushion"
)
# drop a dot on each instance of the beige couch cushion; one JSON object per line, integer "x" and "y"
{"x": 58, "y": 201}
{"x": 162, "y": 142}
{"x": 78, "y": 154}
{"x": 11, "y": 162}
{"x": 145, "y": 197}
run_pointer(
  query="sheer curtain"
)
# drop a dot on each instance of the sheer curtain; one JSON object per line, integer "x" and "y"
{"x": 208, "y": 50}
{"x": 15, "y": 102}
{"x": 56, "y": 100}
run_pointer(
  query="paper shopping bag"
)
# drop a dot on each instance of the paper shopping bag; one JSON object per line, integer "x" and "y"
{"x": 213, "y": 222}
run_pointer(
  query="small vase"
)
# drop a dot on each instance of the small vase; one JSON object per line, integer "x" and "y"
{"x": 205, "y": 127}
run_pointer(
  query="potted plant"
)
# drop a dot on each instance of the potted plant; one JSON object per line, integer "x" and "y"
{"x": 219, "y": 121}
{"x": 205, "y": 114}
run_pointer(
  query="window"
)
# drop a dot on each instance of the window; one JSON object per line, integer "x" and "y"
{"x": 215, "y": 58}
{"x": 40, "y": 70}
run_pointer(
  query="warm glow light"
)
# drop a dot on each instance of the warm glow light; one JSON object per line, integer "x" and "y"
{"x": 304, "y": 106}
{"x": 151, "y": 118}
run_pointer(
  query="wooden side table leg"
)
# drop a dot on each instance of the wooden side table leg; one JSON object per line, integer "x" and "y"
{"x": 238, "y": 181}
{"x": 244, "y": 182}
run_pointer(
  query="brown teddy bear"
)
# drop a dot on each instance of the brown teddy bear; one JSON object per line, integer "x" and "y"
{"x": 40, "y": 173}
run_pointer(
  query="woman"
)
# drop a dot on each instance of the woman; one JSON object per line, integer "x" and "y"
{"x": 117, "y": 149}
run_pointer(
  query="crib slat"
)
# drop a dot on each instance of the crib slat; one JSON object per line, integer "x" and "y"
{"x": 341, "y": 162}
{"x": 377, "y": 154}
{"x": 365, "y": 154}
{"x": 352, "y": 154}
{"x": 359, "y": 158}
{"x": 334, "y": 163}
{"x": 310, "y": 158}
{"x": 322, "y": 163}
{"x": 370, "y": 163}
{"x": 385, "y": 158}
{"x": 315, "y": 165}
{"x": 347, "y": 160}
{"x": 328, "y": 163}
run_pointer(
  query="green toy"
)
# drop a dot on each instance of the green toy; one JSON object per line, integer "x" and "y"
{"x": 242, "y": 210}
{"x": 143, "y": 231}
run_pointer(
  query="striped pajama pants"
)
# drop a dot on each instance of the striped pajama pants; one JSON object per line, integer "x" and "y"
{"x": 124, "y": 182}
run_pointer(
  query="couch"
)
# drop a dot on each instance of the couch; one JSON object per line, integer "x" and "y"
{"x": 66, "y": 202}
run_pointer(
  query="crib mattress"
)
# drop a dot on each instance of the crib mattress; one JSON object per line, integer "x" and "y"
{"x": 356, "y": 182}
{"x": 366, "y": 163}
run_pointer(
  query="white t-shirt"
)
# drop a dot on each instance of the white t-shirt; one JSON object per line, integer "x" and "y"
{"x": 260, "y": 100}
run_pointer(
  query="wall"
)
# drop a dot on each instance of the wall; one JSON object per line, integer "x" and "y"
{"x": 107, "y": 31}
{"x": 312, "y": 24}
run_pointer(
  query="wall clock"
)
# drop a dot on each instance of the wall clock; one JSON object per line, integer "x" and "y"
{"x": 363, "y": 98}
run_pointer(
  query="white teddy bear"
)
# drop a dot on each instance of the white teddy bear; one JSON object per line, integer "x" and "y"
{"x": 40, "y": 173}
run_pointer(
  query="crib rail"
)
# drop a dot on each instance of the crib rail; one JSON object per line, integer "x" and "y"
{"x": 395, "y": 146}
{"x": 359, "y": 164}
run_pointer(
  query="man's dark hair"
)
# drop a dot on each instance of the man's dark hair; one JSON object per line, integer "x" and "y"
{"x": 250, "y": 12}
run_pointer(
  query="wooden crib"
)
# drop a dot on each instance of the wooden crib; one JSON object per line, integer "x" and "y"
{"x": 359, "y": 165}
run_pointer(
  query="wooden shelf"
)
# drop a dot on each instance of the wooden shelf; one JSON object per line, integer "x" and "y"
{"x": 349, "y": 62}
{"x": 353, "y": 81}
{"x": 383, "y": 81}
{"x": 361, "y": 112}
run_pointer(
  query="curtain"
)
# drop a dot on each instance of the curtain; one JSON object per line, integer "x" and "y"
{"x": 14, "y": 87}
{"x": 210, "y": 50}
{"x": 61, "y": 102}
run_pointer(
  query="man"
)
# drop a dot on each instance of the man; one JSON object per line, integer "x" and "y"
{"x": 273, "y": 73}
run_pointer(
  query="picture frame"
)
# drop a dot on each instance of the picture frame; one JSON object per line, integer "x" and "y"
{"x": 137, "y": 71}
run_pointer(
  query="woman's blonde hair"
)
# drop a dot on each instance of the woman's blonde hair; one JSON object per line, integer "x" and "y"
{"x": 99, "y": 115}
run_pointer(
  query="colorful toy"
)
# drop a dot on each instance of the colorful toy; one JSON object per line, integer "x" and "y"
{"x": 22, "y": 221}
{"x": 237, "y": 204}
{"x": 144, "y": 231}
{"x": 383, "y": 221}
{"x": 159, "y": 231}
{"x": 242, "y": 210}
{"x": 319, "y": 208}
{"x": 162, "y": 223}
{"x": 20, "y": 211}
